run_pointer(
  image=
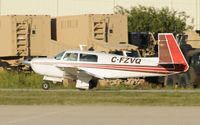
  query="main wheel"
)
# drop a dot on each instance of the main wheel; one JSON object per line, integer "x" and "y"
{"x": 45, "y": 85}
{"x": 93, "y": 83}
{"x": 169, "y": 81}
{"x": 183, "y": 82}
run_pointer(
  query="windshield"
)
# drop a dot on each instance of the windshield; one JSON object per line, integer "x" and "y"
{"x": 59, "y": 56}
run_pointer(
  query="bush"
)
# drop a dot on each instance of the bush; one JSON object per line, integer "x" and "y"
{"x": 150, "y": 19}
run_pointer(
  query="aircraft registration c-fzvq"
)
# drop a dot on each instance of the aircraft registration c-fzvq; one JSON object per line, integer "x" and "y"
{"x": 87, "y": 66}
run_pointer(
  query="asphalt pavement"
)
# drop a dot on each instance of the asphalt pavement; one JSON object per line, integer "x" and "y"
{"x": 99, "y": 115}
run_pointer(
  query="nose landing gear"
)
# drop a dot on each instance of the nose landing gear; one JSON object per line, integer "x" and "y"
{"x": 45, "y": 85}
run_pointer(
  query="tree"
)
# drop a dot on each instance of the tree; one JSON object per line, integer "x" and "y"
{"x": 150, "y": 19}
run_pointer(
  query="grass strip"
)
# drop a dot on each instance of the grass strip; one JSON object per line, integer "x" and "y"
{"x": 10, "y": 79}
{"x": 98, "y": 98}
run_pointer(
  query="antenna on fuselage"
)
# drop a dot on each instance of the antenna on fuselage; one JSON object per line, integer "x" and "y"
{"x": 81, "y": 46}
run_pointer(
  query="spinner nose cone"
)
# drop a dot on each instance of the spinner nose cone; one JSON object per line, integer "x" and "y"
{"x": 27, "y": 61}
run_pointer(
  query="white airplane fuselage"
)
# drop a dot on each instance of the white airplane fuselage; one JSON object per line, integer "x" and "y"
{"x": 107, "y": 66}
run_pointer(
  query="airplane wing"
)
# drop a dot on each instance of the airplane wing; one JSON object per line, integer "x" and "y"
{"x": 91, "y": 74}
{"x": 76, "y": 71}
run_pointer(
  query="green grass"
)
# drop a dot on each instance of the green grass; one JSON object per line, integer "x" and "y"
{"x": 98, "y": 98}
{"x": 19, "y": 80}
{"x": 14, "y": 80}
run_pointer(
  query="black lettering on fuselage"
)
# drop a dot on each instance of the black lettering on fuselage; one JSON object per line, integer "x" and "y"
{"x": 138, "y": 61}
{"x": 132, "y": 60}
{"x": 114, "y": 59}
{"x": 126, "y": 60}
{"x": 121, "y": 59}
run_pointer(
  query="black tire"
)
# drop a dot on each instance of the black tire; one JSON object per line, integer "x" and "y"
{"x": 183, "y": 81}
{"x": 169, "y": 81}
{"x": 93, "y": 83}
{"x": 45, "y": 85}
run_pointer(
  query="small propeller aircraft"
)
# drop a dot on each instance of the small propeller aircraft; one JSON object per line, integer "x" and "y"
{"x": 87, "y": 66}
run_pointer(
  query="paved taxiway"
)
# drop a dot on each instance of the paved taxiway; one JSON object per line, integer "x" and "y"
{"x": 98, "y": 115}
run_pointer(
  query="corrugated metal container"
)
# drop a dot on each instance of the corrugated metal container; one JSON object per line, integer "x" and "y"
{"x": 24, "y": 35}
{"x": 91, "y": 29}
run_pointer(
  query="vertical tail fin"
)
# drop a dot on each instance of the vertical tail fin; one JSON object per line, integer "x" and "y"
{"x": 170, "y": 53}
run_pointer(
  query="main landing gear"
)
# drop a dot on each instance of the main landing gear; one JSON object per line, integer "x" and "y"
{"x": 83, "y": 84}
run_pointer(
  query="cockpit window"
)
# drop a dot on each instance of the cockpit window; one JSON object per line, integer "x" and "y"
{"x": 71, "y": 57}
{"x": 88, "y": 58}
{"x": 59, "y": 56}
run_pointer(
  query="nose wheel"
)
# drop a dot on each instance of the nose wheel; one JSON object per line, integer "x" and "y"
{"x": 45, "y": 85}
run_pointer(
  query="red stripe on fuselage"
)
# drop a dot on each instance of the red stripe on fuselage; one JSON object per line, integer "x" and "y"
{"x": 134, "y": 68}
{"x": 158, "y": 68}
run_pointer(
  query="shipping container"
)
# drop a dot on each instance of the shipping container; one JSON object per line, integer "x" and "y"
{"x": 91, "y": 29}
{"x": 24, "y": 35}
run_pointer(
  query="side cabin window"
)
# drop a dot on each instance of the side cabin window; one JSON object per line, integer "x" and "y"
{"x": 129, "y": 53}
{"x": 133, "y": 54}
{"x": 88, "y": 58}
{"x": 71, "y": 57}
